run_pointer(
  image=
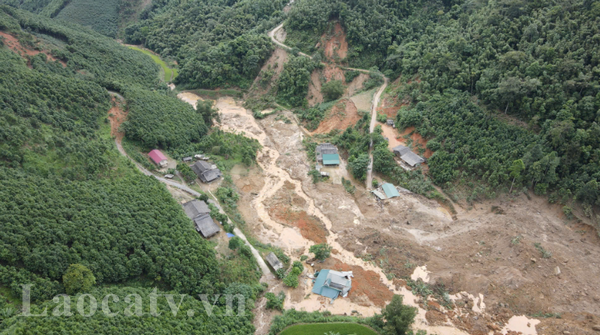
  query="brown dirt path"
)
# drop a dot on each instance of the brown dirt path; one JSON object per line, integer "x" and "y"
{"x": 117, "y": 115}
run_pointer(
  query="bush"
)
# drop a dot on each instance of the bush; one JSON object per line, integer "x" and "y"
{"x": 333, "y": 90}
{"x": 186, "y": 172}
{"x": 235, "y": 242}
{"x": 275, "y": 301}
{"x": 321, "y": 251}
{"x": 398, "y": 317}
{"x": 291, "y": 280}
{"x": 78, "y": 278}
{"x": 359, "y": 165}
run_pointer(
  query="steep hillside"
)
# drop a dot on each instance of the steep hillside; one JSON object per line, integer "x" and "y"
{"x": 68, "y": 197}
{"x": 216, "y": 43}
{"x": 536, "y": 63}
{"x": 106, "y": 17}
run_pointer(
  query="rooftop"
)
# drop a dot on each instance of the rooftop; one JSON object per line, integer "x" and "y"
{"x": 206, "y": 226}
{"x": 331, "y": 284}
{"x": 157, "y": 156}
{"x": 408, "y": 156}
{"x": 331, "y": 159}
{"x": 274, "y": 261}
{"x": 195, "y": 207}
{"x": 390, "y": 190}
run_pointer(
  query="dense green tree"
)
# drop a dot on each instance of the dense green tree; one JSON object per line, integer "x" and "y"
{"x": 321, "y": 251}
{"x": 359, "y": 165}
{"x": 78, "y": 278}
{"x": 333, "y": 89}
{"x": 292, "y": 85}
{"x": 398, "y": 317}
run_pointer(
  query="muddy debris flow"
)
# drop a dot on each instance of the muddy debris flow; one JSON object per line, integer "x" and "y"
{"x": 237, "y": 119}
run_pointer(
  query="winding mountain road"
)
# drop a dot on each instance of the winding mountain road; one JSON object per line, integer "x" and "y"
{"x": 375, "y": 102}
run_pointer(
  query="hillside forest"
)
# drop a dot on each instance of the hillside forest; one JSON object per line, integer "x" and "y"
{"x": 68, "y": 197}
{"x": 466, "y": 65}
{"x": 505, "y": 94}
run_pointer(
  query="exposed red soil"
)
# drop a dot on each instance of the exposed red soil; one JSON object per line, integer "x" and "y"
{"x": 335, "y": 43}
{"x": 356, "y": 84}
{"x": 343, "y": 115}
{"x": 288, "y": 208}
{"x": 334, "y": 73}
{"x": 310, "y": 227}
{"x": 365, "y": 283}
{"x": 416, "y": 138}
{"x": 117, "y": 116}
{"x": 14, "y": 44}
{"x": 390, "y": 106}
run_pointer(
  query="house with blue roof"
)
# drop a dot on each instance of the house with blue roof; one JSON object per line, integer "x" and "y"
{"x": 331, "y": 284}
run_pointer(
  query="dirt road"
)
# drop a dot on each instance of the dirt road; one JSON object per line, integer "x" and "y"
{"x": 273, "y": 33}
{"x": 376, "y": 99}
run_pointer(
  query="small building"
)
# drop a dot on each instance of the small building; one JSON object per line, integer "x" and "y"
{"x": 390, "y": 191}
{"x": 199, "y": 212}
{"x": 408, "y": 156}
{"x": 206, "y": 226}
{"x": 195, "y": 207}
{"x": 205, "y": 171}
{"x": 169, "y": 176}
{"x": 273, "y": 261}
{"x": 327, "y": 154}
{"x": 331, "y": 159}
{"x": 390, "y": 122}
{"x": 201, "y": 157}
{"x": 187, "y": 159}
{"x": 158, "y": 158}
{"x": 325, "y": 174}
{"x": 379, "y": 195}
{"x": 331, "y": 284}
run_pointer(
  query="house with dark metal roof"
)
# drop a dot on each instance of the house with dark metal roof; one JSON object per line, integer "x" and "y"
{"x": 158, "y": 158}
{"x": 206, "y": 226}
{"x": 327, "y": 154}
{"x": 199, "y": 212}
{"x": 331, "y": 284}
{"x": 195, "y": 207}
{"x": 273, "y": 261}
{"x": 206, "y": 171}
{"x": 408, "y": 156}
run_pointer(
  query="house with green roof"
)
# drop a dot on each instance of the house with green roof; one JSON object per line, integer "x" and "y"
{"x": 327, "y": 154}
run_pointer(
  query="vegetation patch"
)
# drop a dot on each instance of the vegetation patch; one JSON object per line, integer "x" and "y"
{"x": 169, "y": 73}
{"x": 325, "y": 328}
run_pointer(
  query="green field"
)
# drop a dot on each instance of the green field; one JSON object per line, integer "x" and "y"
{"x": 170, "y": 74}
{"x": 322, "y": 328}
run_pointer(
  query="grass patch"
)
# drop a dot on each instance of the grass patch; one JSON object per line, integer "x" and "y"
{"x": 170, "y": 74}
{"x": 322, "y": 328}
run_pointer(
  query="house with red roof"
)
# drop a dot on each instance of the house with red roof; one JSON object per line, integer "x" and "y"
{"x": 158, "y": 158}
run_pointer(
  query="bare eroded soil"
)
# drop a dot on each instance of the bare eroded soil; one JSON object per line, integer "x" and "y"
{"x": 487, "y": 258}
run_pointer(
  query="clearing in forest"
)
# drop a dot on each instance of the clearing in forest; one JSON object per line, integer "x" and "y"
{"x": 170, "y": 74}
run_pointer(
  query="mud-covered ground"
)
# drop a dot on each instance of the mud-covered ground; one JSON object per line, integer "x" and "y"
{"x": 490, "y": 252}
